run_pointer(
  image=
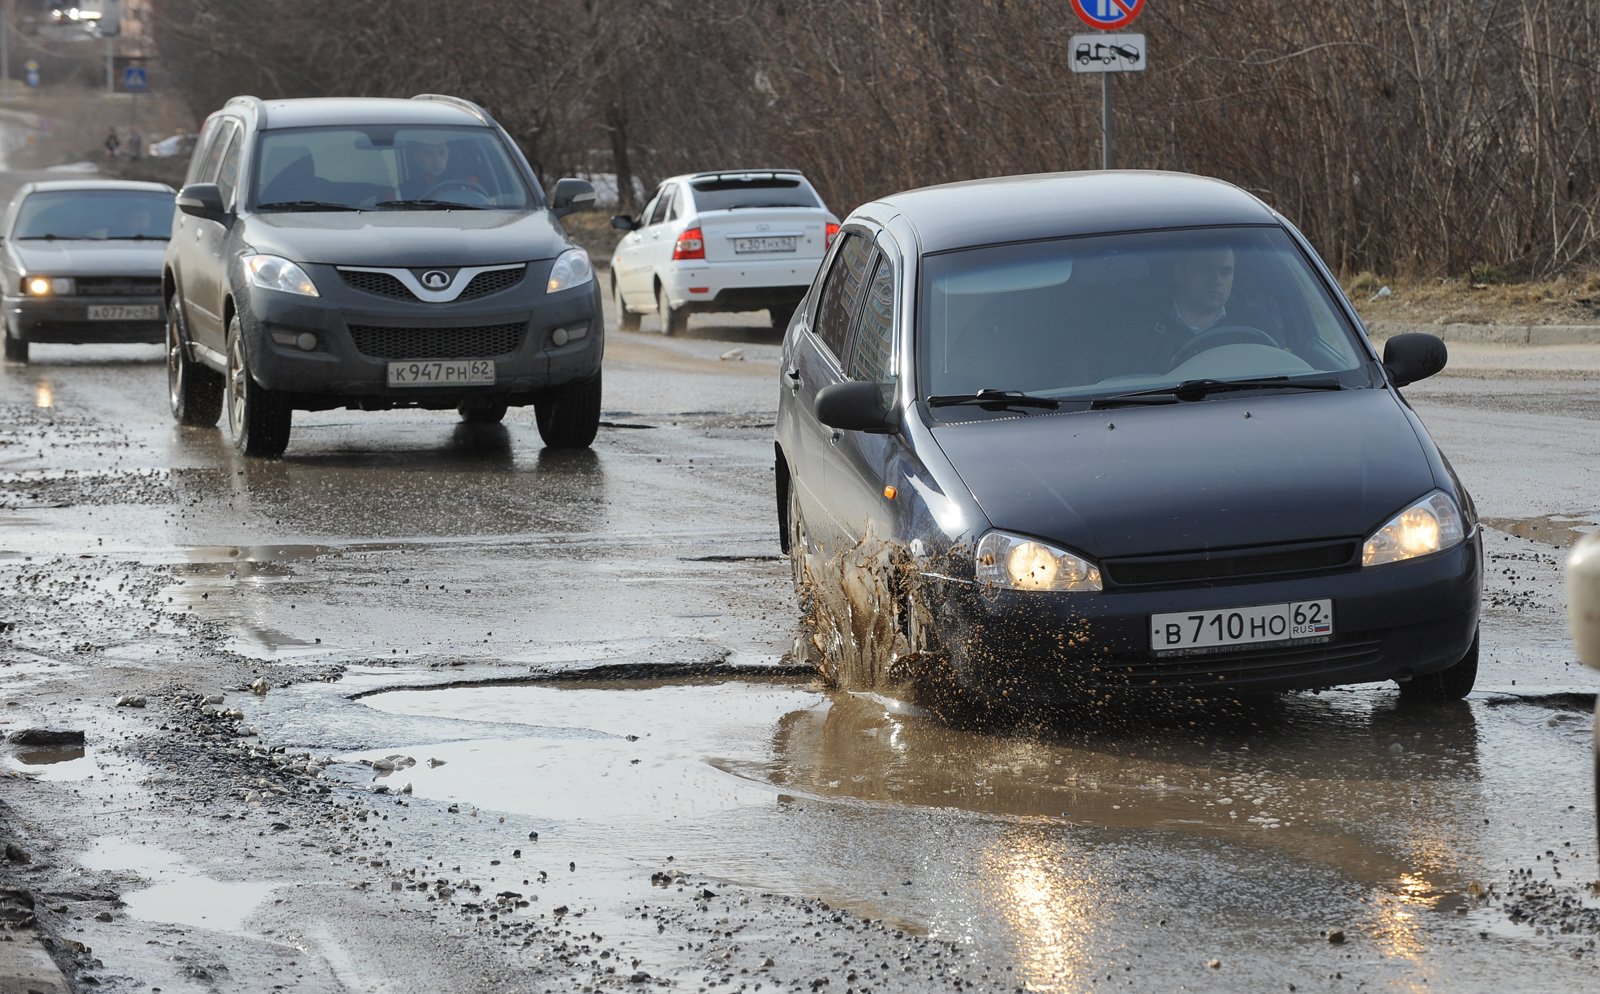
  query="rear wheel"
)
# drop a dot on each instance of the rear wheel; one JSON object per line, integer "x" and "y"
{"x": 194, "y": 393}
{"x": 626, "y": 319}
{"x": 569, "y": 416}
{"x": 674, "y": 320}
{"x": 16, "y": 348}
{"x": 1449, "y": 684}
{"x": 483, "y": 414}
{"x": 257, "y": 417}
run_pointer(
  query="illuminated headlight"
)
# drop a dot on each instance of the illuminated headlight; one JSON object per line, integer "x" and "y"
{"x": 1432, "y": 524}
{"x": 572, "y": 269}
{"x": 273, "y": 272}
{"x": 1018, "y": 563}
{"x": 48, "y": 286}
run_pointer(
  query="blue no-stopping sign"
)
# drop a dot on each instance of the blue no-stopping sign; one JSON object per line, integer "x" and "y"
{"x": 1108, "y": 15}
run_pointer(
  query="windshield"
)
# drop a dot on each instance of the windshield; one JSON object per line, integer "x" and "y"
{"x": 95, "y": 214}
{"x": 387, "y": 167}
{"x": 1083, "y": 319}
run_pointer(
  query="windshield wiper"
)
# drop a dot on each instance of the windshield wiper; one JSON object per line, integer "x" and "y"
{"x": 136, "y": 238}
{"x": 50, "y": 238}
{"x": 429, "y": 205}
{"x": 1198, "y": 389}
{"x": 994, "y": 399}
{"x": 304, "y": 205}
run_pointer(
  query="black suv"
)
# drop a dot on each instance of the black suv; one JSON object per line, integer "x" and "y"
{"x": 375, "y": 253}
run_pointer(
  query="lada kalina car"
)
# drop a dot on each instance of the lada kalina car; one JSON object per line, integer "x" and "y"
{"x": 1051, "y": 438}
{"x": 372, "y": 254}
{"x": 81, "y": 263}
{"x": 720, "y": 241}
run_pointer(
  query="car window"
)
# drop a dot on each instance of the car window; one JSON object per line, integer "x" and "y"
{"x": 842, "y": 291}
{"x": 387, "y": 167}
{"x": 733, "y": 192}
{"x": 202, "y": 149}
{"x": 1097, "y": 316}
{"x": 95, "y": 214}
{"x": 207, "y": 173}
{"x": 659, "y": 207}
{"x": 228, "y": 168}
{"x": 873, "y": 342}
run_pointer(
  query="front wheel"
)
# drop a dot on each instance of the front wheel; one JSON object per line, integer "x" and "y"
{"x": 257, "y": 417}
{"x": 569, "y": 416}
{"x": 16, "y": 348}
{"x": 1449, "y": 684}
{"x": 194, "y": 393}
{"x": 674, "y": 320}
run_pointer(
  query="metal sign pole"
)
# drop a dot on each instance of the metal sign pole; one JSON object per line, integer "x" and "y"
{"x": 1107, "y": 156}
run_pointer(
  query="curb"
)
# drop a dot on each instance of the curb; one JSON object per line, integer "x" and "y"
{"x": 1495, "y": 334}
{"x": 26, "y": 967}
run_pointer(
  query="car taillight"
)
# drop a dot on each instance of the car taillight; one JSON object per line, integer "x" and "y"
{"x": 833, "y": 229}
{"x": 691, "y": 245}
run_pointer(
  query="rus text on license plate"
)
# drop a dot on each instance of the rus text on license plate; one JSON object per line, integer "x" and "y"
{"x": 770, "y": 243}
{"x": 1212, "y": 631}
{"x": 441, "y": 373}
{"x": 124, "y": 312}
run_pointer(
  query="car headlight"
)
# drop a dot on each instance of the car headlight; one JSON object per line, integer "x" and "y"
{"x": 572, "y": 269}
{"x": 1015, "y": 562}
{"x": 47, "y": 286}
{"x": 1432, "y": 524}
{"x": 276, "y": 273}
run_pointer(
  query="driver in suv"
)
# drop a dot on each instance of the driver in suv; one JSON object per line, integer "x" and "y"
{"x": 370, "y": 254}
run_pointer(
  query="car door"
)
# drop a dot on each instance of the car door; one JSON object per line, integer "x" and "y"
{"x": 201, "y": 245}
{"x": 659, "y": 237}
{"x": 811, "y": 362}
{"x": 632, "y": 267}
{"x": 863, "y": 463}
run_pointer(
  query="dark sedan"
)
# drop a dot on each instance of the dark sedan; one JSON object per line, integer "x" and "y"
{"x": 82, "y": 263}
{"x": 1050, "y": 438}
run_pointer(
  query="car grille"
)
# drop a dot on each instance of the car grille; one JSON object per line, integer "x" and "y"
{"x": 118, "y": 286}
{"x": 1230, "y": 564}
{"x": 479, "y": 342}
{"x": 389, "y": 285}
{"x": 1240, "y": 667}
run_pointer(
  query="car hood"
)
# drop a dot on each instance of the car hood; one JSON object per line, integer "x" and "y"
{"x": 407, "y": 238}
{"x": 90, "y": 258}
{"x": 1217, "y": 473}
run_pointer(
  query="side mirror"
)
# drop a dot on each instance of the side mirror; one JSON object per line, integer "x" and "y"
{"x": 623, "y": 222}
{"x": 570, "y": 196}
{"x": 1414, "y": 356}
{"x": 855, "y": 406}
{"x": 202, "y": 200}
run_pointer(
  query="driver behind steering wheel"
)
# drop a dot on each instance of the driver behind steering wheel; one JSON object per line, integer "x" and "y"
{"x": 1202, "y": 281}
{"x": 429, "y": 166}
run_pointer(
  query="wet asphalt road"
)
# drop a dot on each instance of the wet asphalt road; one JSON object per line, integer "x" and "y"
{"x": 528, "y": 725}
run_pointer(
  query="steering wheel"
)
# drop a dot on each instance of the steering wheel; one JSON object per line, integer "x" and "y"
{"x": 464, "y": 185}
{"x": 1230, "y": 334}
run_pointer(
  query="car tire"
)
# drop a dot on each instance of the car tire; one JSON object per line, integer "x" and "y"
{"x": 492, "y": 413}
{"x": 257, "y": 417}
{"x": 804, "y": 652}
{"x": 16, "y": 348}
{"x": 1449, "y": 684}
{"x": 626, "y": 320}
{"x": 674, "y": 320}
{"x": 781, "y": 316}
{"x": 194, "y": 393}
{"x": 569, "y": 416}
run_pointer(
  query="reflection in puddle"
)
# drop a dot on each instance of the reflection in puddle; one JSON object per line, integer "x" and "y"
{"x": 176, "y": 896}
{"x": 1559, "y": 530}
{"x": 54, "y": 763}
{"x": 49, "y": 756}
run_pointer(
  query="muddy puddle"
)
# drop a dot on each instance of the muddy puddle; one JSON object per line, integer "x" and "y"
{"x": 1559, "y": 530}
{"x": 158, "y": 886}
{"x": 52, "y": 763}
{"x": 1054, "y": 849}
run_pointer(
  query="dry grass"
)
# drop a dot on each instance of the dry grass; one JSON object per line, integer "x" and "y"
{"x": 1481, "y": 297}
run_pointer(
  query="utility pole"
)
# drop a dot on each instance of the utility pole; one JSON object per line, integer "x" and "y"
{"x": 5, "y": 50}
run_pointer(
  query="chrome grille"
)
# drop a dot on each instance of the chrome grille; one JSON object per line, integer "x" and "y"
{"x": 383, "y": 284}
{"x": 478, "y": 342}
{"x": 493, "y": 281}
{"x": 118, "y": 286}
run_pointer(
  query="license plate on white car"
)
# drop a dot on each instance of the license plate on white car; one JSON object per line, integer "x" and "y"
{"x": 441, "y": 373}
{"x": 769, "y": 243}
{"x": 1211, "y": 631}
{"x": 124, "y": 312}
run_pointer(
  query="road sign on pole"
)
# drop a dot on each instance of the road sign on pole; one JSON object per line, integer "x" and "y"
{"x": 134, "y": 79}
{"x": 1108, "y": 15}
{"x": 1107, "y": 53}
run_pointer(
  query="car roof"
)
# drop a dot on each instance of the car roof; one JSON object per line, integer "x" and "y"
{"x": 57, "y": 185}
{"x": 310, "y": 112}
{"x": 1055, "y": 205}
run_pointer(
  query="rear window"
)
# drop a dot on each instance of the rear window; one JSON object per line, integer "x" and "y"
{"x": 731, "y": 193}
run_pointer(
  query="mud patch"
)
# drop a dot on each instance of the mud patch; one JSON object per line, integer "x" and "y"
{"x": 173, "y": 895}
{"x": 1559, "y": 530}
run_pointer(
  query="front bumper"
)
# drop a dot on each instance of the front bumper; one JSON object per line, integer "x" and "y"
{"x": 355, "y": 336}
{"x": 67, "y": 321}
{"x": 1391, "y": 622}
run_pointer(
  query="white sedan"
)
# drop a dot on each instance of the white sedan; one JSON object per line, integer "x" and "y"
{"x": 721, "y": 241}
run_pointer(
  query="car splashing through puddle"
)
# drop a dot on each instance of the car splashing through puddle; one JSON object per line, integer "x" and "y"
{"x": 1042, "y": 848}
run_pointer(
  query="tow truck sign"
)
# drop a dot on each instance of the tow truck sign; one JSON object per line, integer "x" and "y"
{"x": 1108, "y": 15}
{"x": 1107, "y": 53}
